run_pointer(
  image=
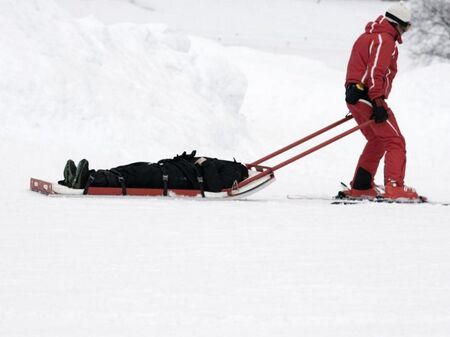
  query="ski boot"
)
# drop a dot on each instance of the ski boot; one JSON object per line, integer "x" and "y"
{"x": 355, "y": 194}
{"x": 81, "y": 175}
{"x": 395, "y": 191}
{"x": 69, "y": 173}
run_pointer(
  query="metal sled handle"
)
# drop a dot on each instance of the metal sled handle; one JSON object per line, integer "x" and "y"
{"x": 305, "y": 153}
{"x": 301, "y": 141}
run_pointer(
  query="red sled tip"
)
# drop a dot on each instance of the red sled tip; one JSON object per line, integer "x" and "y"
{"x": 41, "y": 186}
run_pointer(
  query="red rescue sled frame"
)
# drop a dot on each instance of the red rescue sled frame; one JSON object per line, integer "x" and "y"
{"x": 260, "y": 175}
{"x": 264, "y": 170}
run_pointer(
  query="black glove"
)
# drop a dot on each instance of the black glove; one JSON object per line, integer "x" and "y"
{"x": 379, "y": 110}
{"x": 186, "y": 156}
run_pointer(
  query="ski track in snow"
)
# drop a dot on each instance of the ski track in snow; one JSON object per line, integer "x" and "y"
{"x": 266, "y": 266}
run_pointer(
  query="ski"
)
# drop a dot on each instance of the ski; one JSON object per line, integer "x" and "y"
{"x": 350, "y": 201}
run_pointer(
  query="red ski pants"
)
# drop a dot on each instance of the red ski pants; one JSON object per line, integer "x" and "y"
{"x": 382, "y": 139}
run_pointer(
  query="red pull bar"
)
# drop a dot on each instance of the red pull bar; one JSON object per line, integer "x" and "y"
{"x": 301, "y": 141}
{"x": 305, "y": 153}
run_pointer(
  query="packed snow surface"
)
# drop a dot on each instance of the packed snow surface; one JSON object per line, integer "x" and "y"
{"x": 118, "y": 81}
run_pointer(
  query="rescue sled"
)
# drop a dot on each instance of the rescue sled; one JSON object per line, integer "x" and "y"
{"x": 235, "y": 192}
{"x": 260, "y": 176}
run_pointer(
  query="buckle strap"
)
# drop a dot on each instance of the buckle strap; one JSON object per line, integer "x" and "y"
{"x": 200, "y": 184}
{"x": 200, "y": 180}
{"x": 165, "y": 178}
{"x": 89, "y": 182}
{"x": 121, "y": 180}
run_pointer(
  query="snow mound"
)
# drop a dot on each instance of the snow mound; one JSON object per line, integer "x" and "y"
{"x": 115, "y": 86}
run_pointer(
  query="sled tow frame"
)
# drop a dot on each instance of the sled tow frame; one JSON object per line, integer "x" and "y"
{"x": 266, "y": 170}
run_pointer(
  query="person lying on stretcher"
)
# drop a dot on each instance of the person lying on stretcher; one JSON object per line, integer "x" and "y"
{"x": 185, "y": 171}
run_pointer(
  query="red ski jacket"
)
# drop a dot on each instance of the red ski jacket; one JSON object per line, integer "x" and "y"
{"x": 373, "y": 61}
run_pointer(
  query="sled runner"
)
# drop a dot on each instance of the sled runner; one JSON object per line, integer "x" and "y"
{"x": 259, "y": 177}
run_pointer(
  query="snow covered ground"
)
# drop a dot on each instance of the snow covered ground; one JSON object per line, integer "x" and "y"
{"x": 146, "y": 79}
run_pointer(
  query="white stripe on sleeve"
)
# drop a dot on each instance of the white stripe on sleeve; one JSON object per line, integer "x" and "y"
{"x": 376, "y": 61}
{"x": 365, "y": 73}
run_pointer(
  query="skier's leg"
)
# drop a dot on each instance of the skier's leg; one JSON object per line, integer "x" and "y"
{"x": 368, "y": 161}
{"x": 382, "y": 138}
{"x": 372, "y": 153}
{"x": 395, "y": 160}
{"x": 394, "y": 142}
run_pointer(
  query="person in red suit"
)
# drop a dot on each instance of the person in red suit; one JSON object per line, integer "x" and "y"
{"x": 370, "y": 72}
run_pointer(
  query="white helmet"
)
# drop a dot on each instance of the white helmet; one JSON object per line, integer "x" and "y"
{"x": 399, "y": 14}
